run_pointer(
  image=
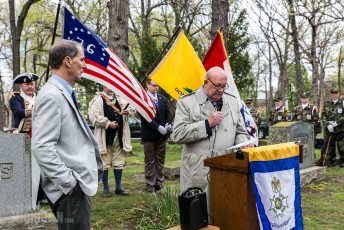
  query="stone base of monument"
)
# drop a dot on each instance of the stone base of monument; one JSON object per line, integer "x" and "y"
{"x": 38, "y": 220}
{"x": 172, "y": 170}
{"x": 312, "y": 174}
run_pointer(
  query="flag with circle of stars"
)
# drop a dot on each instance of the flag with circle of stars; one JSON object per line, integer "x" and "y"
{"x": 105, "y": 68}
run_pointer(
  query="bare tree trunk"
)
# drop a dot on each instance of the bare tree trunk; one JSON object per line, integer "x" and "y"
{"x": 219, "y": 17}
{"x": 270, "y": 80}
{"x": 2, "y": 105}
{"x": 315, "y": 64}
{"x": 16, "y": 30}
{"x": 118, "y": 28}
{"x": 297, "y": 54}
{"x": 340, "y": 62}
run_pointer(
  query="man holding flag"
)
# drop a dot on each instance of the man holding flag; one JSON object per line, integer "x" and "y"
{"x": 207, "y": 122}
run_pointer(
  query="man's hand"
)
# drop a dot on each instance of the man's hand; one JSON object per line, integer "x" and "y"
{"x": 70, "y": 192}
{"x": 113, "y": 125}
{"x": 162, "y": 130}
{"x": 251, "y": 145}
{"x": 334, "y": 124}
{"x": 330, "y": 128}
{"x": 168, "y": 127}
{"x": 125, "y": 112}
{"x": 215, "y": 118}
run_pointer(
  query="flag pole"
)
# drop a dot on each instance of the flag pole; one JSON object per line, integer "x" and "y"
{"x": 175, "y": 33}
{"x": 54, "y": 33}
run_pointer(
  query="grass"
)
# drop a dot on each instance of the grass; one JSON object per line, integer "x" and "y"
{"x": 140, "y": 210}
{"x": 322, "y": 202}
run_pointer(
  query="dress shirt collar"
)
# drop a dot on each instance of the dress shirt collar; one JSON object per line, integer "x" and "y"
{"x": 63, "y": 82}
{"x": 153, "y": 96}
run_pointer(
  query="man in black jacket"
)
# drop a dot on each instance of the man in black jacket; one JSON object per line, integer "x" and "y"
{"x": 154, "y": 139}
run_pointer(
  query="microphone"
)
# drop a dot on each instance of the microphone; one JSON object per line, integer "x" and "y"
{"x": 218, "y": 107}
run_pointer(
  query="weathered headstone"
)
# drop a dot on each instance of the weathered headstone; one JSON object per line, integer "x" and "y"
{"x": 295, "y": 131}
{"x": 15, "y": 174}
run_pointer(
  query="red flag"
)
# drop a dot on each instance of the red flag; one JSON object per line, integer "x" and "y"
{"x": 105, "y": 68}
{"x": 217, "y": 56}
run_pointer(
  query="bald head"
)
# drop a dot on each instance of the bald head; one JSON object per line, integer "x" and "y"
{"x": 216, "y": 72}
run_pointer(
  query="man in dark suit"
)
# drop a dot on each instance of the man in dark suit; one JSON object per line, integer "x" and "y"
{"x": 62, "y": 143}
{"x": 154, "y": 137}
{"x": 22, "y": 103}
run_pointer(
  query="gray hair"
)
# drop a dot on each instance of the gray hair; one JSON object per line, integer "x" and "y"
{"x": 60, "y": 50}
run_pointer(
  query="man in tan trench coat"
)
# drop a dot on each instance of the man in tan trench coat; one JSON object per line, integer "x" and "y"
{"x": 207, "y": 122}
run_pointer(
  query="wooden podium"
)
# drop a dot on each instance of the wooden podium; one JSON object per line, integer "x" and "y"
{"x": 232, "y": 200}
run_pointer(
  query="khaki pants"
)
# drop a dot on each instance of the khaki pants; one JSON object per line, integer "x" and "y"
{"x": 114, "y": 157}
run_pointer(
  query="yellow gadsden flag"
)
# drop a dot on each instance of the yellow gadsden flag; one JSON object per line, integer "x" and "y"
{"x": 181, "y": 71}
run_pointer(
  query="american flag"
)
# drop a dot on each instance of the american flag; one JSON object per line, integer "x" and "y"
{"x": 105, "y": 68}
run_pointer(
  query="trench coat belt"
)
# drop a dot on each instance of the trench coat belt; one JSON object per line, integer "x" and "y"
{"x": 200, "y": 151}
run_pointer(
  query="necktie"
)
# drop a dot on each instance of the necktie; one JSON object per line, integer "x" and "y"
{"x": 156, "y": 103}
{"x": 74, "y": 100}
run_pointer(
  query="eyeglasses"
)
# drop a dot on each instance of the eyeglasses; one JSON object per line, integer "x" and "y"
{"x": 218, "y": 87}
{"x": 155, "y": 86}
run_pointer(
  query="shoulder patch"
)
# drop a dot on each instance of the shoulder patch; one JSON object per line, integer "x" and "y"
{"x": 229, "y": 94}
{"x": 13, "y": 94}
{"x": 186, "y": 95}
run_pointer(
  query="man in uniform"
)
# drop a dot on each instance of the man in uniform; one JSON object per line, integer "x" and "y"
{"x": 22, "y": 104}
{"x": 279, "y": 113}
{"x": 333, "y": 119}
{"x": 254, "y": 111}
{"x": 306, "y": 112}
{"x": 207, "y": 122}
{"x": 109, "y": 116}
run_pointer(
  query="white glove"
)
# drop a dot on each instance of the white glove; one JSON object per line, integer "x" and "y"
{"x": 330, "y": 128}
{"x": 168, "y": 127}
{"x": 334, "y": 124}
{"x": 162, "y": 130}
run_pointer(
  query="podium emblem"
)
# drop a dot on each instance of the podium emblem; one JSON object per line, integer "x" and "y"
{"x": 279, "y": 202}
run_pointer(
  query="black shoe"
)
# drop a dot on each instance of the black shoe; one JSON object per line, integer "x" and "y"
{"x": 331, "y": 164}
{"x": 43, "y": 202}
{"x": 106, "y": 193}
{"x": 122, "y": 192}
{"x": 150, "y": 188}
{"x": 158, "y": 187}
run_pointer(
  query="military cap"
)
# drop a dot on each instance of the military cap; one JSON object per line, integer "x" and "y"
{"x": 25, "y": 78}
{"x": 277, "y": 98}
{"x": 334, "y": 90}
{"x": 304, "y": 95}
{"x": 248, "y": 100}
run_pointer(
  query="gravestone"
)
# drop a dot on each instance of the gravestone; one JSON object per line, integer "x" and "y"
{"x": 295, "y": 131}
{"x": 15, "y": 174}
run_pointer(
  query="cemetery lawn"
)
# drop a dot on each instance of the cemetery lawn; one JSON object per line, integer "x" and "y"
{"x": 322, "y": 203}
